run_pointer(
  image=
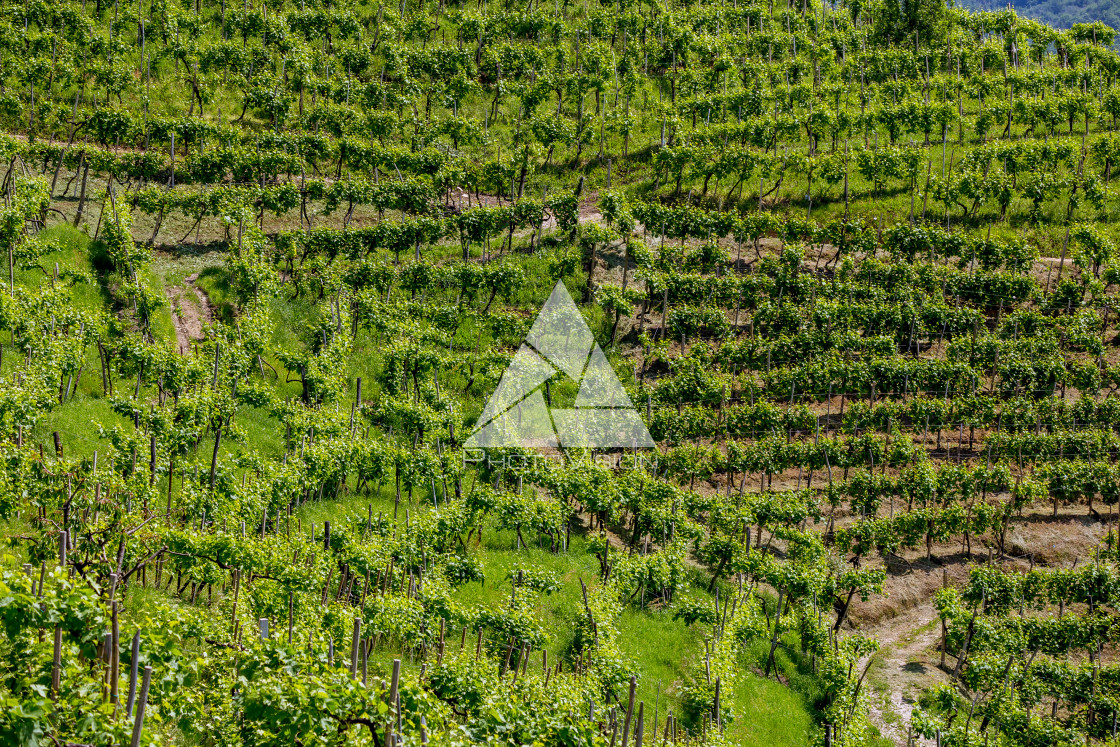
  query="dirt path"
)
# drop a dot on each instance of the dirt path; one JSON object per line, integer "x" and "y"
{"x": 190, "y": 310}
{"x": 907, "y": 663}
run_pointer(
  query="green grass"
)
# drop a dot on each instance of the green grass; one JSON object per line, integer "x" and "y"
{"x": 557, "y": 610}
{"x": 163, "y": 327}
{"x": 768, "y": 714}
{"x": 214, "y": 282}
{"x": 663, "y": 651}
{"x": 76, "y": 421}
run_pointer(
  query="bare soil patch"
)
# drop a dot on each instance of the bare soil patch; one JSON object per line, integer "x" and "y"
{"x": 190, "y": 311}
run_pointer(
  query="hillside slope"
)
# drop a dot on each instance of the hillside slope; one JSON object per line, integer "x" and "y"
{"x": 272, "y": 272}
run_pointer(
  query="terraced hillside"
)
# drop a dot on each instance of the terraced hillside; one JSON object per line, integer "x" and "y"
{"x": 855, "y": 266}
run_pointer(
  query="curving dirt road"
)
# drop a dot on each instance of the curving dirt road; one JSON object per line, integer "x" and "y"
{"x": 907, "y": 663}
